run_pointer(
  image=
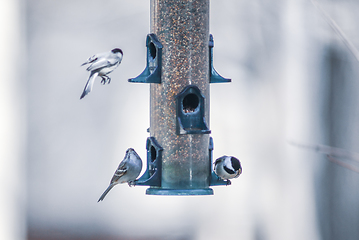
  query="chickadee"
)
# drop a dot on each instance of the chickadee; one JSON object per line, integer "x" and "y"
{"x": 127, "y": 171}
{"x": 227, "y": 167}
{"x": 101, "y": 65}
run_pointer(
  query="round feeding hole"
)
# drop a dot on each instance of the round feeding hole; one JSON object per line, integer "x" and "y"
{"x": 153, "y": 153}
{"x": 190, "y": 103}
{"x": 152, "y": 50}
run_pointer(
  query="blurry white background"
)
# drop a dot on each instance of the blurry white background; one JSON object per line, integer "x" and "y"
{"x": 293, "y": 79}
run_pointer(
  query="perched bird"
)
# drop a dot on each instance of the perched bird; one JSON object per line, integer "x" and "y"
{"x": 227, "y": 167}
{"x": 101, "y": 65}
{"x": 127, "y": 171}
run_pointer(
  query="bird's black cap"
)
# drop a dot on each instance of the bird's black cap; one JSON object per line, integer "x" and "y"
{"x": 236, "y": 164}
{"x": 116, "y": 50}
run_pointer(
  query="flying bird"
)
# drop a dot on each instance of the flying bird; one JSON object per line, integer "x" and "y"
{"x": 101, "y": 65}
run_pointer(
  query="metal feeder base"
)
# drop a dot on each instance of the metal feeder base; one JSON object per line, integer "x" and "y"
{"x": 179, "y": 192}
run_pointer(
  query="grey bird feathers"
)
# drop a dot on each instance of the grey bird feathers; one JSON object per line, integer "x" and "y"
{"x": 128, "y": 170}
{"x": 101, "y": 65}
{"x": 227, "y": 167}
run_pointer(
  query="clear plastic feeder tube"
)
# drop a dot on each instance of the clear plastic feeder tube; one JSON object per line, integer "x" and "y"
{"x": 183, "y": 29}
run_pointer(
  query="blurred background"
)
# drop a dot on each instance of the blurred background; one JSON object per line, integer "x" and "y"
{"x": 293, "y": 80}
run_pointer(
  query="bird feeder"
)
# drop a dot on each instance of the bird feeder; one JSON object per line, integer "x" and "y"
{"x": 179, "y": 69}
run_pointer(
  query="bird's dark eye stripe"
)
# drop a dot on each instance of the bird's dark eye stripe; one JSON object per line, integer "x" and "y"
{"x": 230, "y": 171}
{"x": 116, "y": 50}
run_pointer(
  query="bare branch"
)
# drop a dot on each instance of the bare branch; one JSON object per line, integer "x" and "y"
{"x": 332, "y": 154}
{"x": 332, "y": 151}
{"x": 343, "y": 164}
{"x": 337, "y": 29}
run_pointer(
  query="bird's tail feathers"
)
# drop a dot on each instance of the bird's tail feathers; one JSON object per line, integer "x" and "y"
{"x": 105, "y": 193}
{"x": 89, "y": 84}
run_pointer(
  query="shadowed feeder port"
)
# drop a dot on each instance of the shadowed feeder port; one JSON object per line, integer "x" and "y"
{"x": 152, "y": 50}
{"x": 153, "y": 154}
{"x": 152, "y": 176}
{"x": 152, "y": 64}
{"x": 190, "y": 103}
{"x": 152, "y": 72}
{"x": 190, "y": 111}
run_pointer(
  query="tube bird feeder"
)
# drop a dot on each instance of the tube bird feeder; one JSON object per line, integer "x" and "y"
{"x": 179, "y": 69}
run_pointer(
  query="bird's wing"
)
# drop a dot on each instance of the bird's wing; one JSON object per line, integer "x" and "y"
{"x": 123, "y": 164}
{"x": 89, "y": 84}
{"x": 101, "y": 63}
{"x": 90, "y": 60}
{"x": 118, "y": 174}
{"x": 94, "y": 58}
{"x": 218, "y": 160}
